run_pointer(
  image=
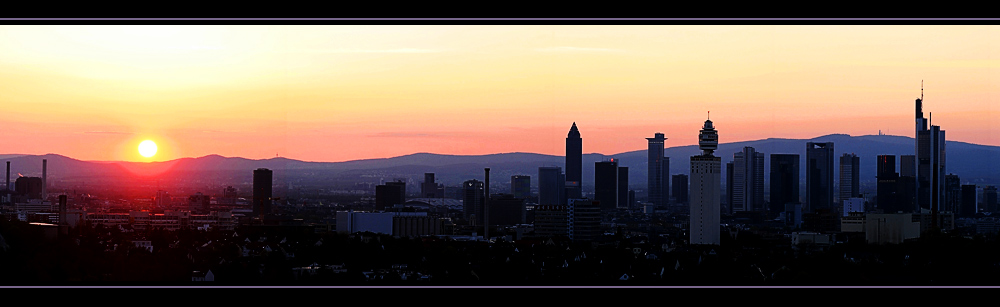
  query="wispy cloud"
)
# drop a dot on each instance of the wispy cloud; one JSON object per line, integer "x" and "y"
{"x": 396, "y": 50}
{"x": 417, "y": 135}
{"x": 565, "y": 49}
{"x": 108, "y": 132}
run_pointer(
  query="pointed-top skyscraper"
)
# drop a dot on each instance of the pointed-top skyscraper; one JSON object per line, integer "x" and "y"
{"x": 706, "y": 182}
{"x": 574, "y": 163}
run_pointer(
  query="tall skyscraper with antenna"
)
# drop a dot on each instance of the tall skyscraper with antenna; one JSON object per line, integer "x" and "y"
{"x": 706, "y": 181}
{"x": 574, "y": 163}
{"x": 930, "y": 154}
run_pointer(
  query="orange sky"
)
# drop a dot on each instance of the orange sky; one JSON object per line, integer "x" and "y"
{"x": 336, "y": 93}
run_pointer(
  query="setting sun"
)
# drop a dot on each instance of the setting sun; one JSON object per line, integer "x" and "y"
{"x": 147, "y": 148}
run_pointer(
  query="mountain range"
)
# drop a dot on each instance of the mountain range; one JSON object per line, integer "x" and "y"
{"x": 976, "y": 164}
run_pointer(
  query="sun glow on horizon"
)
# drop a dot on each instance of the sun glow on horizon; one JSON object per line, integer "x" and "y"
{"x": 147, "y": 148}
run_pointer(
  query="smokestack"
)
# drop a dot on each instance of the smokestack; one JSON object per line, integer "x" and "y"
{"x": 45, "y": 181}
{"x": 486, "y": 207}
{"x": 7, "y": 187}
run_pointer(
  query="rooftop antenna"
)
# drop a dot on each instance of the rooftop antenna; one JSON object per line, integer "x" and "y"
{"x": 709, "y": 114}
{"x": 921, "y": 90}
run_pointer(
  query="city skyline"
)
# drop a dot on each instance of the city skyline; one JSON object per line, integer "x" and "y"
{"x": 95, "y": 92}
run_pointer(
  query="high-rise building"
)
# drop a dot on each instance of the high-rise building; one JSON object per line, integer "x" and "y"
{"x": 730, "y": 171}
{"x": 583, "y": 220}
{"x": 887, "y": 187}
{"x": 990, "y": 199}
{"x": 908, "y": 166}
{"x": 658, "y": 165}
{"x": 680, "y": 188}
{"x": 390, "y": 194}
{"x": 262, "y": 191}
{"x": 952, "y": 193}
{"x": 784, "y": 181}
{"x": 623, "y": 199}
{"x": 850, "y": 170}
{"x": 606, "y": 184}
{"x": 748, "y": 181}
{"x": 968, "y": 201}
{"x": 429, "y": 189}
{"x": 706, "y": 177}
{"x": 506, "y": 210}
{"x": 819, "y": 176}
{"x": 551, "y": 186}
{"x": 520, "y": 186}
{"x": 473, "y": 201}
{"x": 574, "y": 163}
{"x": 930, "y": 152}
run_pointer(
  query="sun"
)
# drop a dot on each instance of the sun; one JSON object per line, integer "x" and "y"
{"x": 147, "y": 148}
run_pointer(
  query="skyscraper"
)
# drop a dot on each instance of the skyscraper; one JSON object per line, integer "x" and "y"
{"x": 784, "y": 181}
{"x": 429, "y": 188}
{"x": 551, "y": 186}
{"x": 606, "y": 184}
{"x": 262, "y": 191}
{"x": 748, "y": 181}
{"x": 656, "y": 163}
{"x": 952, "y": 193}
{"x": 680, "y": 188}
{"x": 819, "y": 176}
{"x": 888, "y": 185}
{"x": 930, "y": 152}
{"x": 623, "y": 199}
{"x": 968, "y": 201}
{"x": 574, "y": 163}
{"x": 706, "y": 177}
{"x": 473, "y": 200}
{"x": 520, "y": 186}
{"x": 849, "y": 176}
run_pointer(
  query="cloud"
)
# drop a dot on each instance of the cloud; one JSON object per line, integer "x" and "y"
{"x": 108, "y": 132}
{"x": 564, "y": 49}
{"x": 397, "y": 50}
{"x": 417, "y": 135}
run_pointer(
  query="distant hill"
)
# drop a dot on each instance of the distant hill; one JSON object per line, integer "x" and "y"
{"x": 978, "y": 164}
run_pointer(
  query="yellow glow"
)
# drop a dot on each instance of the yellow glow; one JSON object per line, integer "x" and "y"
{"x": 147, "y": 148}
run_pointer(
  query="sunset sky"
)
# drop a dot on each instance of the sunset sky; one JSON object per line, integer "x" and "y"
{"x": 337, "y": 92}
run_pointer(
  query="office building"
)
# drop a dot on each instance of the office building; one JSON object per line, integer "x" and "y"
{"x": 390, "y": 194}
{"x": 887, "y": 186}
{"x": 262, "y": 191}
{"x": 623, "y": 195}
{"x": 784, "y": 181}
{"x": 574, "y": 163}
{"x": 748, "y": 181}
{"x": 952, "y": 193}
{"x": 850, "y": 169}
{"x": 679, "y": 186}
{"x": 606, "y": 184}
{"x": 473, "y": 201}
{"x": 990, "y": 199}
{"x": 583, "y": 220}
{"x": 819, "y": 176}
{"x": 968, "y": 201}
{"x": 429, "y": 188}
{"x": 706, "y": 177}
{"x": 520, "y": 186}
{"x": 657, "y": 167}
{"x": 551, "y": 186}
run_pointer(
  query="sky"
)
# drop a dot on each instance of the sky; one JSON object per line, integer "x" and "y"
{"x": 348, "y": 92}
